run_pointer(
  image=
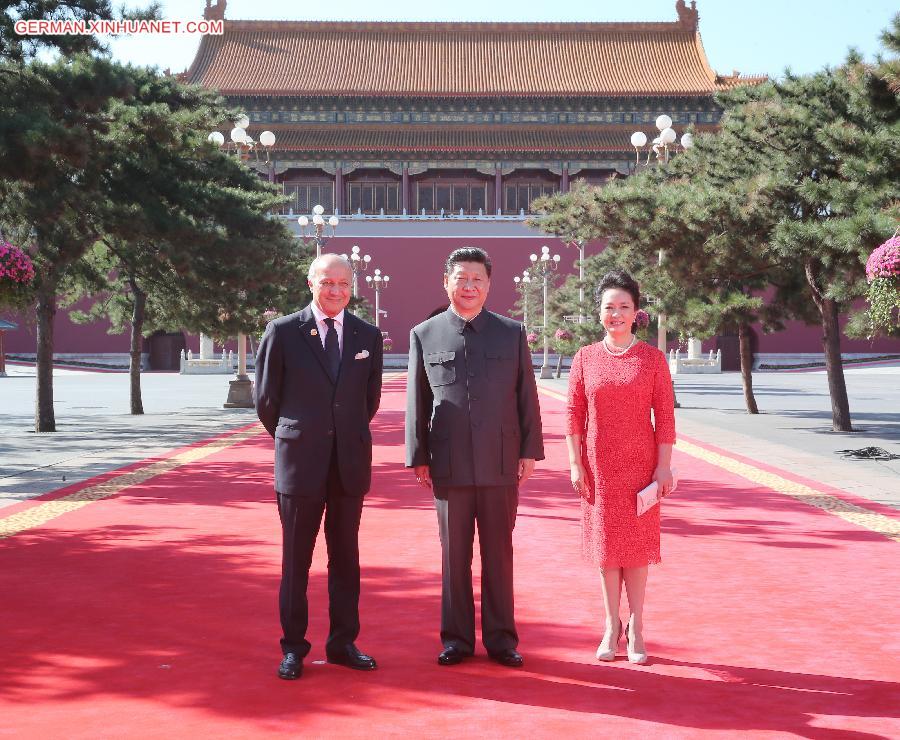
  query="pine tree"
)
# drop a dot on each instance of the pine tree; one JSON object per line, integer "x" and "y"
{"x": 837, "y": 180}
{"x": 140, "y": 174}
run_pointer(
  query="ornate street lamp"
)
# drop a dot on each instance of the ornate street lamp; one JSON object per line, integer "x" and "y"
{"x": 240, "y": 391}
{"x": 378, "y": 282}
{"x": 242, "y": 143}
{"x": 358, "y": 263}
{"x": 524, "y": 282}
{"x": 318, "y": 221}
{"x": 543, "y": 265}
{"x": 661, "y": 146}
{"x": 579, "y": 245}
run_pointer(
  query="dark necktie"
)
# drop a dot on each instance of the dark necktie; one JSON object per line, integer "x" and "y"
{"x": 332, "y": 350}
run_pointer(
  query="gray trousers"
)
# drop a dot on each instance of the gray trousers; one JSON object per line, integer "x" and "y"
{"x": 493, "y": 508}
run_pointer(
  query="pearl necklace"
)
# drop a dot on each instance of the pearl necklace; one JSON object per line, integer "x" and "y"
{"x": 621, "y": 352}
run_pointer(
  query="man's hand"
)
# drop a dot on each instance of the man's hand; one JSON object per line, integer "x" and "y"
{"x": 526, "y": 468}
{"x": 423, "y": 476}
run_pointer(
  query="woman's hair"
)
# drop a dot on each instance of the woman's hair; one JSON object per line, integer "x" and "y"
{"x": 621, "y": 280}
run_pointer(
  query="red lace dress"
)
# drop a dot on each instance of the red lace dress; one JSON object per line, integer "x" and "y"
{"x": 610, "y": 399}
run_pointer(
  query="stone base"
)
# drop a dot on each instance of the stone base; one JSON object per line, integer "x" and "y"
{"x": 205, "y": 367}
{"x": 240, "y": 394}
{"x": 681, "y": 367}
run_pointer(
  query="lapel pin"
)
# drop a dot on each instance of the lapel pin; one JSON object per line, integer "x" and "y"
{"x": 313, "y": 333}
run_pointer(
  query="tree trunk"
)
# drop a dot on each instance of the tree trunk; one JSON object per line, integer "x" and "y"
{"x": 831, "y": 342}
{"x": 744, "y": 337}
{"x": 44, "y": 417}
{"x": 137, "y": 341}
{"x": 837, "y": 387}
{"x": 559, "y": 365}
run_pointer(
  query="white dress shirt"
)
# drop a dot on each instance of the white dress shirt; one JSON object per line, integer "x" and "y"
{"x": 323, "y": 327}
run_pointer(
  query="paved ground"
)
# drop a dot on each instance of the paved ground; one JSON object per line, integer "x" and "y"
{"x": 793, "y": 428}
{"x": 96, "y": 433}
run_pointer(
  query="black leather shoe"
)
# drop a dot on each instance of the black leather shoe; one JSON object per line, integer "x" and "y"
{"x": 451, "y": 656}
{"x": 352, "y": 658}
{"x": 291, "y": 667}
{"x": 509, "y": 657}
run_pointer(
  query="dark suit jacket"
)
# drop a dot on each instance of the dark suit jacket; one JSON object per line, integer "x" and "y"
{"x": 472, "y": 407}
{"x": 305, "y": 410}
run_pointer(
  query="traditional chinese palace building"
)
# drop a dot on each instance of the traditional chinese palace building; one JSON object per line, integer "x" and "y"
{"x": 422, "y": 137}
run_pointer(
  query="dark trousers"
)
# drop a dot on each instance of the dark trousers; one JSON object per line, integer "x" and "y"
{"x": 300, "y": 520}
{"x": 493, "y": 508}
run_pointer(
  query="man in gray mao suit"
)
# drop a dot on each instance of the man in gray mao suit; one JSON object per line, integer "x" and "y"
{"x": 473, "y": 433}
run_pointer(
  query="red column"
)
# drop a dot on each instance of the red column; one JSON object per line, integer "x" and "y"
{"x": 404, "y": 190}
{"x": 498, "y": 190}
{"x": 2, "y": 356}
{"x": 339, "y": 190}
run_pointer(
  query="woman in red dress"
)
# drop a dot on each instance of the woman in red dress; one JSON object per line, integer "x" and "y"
{"x": 615, "y": 451}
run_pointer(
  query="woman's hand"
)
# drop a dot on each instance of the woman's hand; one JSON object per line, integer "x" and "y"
{"x": 579, "y": 479}
{"x": 664, "y": 479}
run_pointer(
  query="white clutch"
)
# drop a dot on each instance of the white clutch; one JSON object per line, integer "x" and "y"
{"x": 648, "y": 497}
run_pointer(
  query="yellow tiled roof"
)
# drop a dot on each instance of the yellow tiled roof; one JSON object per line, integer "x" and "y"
{"x": 307, "y": 58}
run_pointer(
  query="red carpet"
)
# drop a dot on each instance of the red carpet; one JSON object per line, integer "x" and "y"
{"x": 153, "y": 614}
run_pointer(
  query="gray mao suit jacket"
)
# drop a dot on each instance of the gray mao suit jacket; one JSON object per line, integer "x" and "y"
{"x": 472, "y": 407}
{"x": 307, "y": 411}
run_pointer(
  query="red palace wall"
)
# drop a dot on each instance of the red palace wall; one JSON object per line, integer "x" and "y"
{"x": 71, "y": 338}
{"x": 416, "y": 269}
{"x": 415, "y": 266}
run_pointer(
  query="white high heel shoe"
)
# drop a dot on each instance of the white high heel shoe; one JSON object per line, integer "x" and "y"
{"x": 633, "y": 656}
{"x": 608, "y": 655}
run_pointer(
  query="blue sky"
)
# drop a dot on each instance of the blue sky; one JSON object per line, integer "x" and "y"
{"x": 753, "y": 36}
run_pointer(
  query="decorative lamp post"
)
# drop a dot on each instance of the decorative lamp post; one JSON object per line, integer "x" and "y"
{"x": 240, "y": 391}
{"x": 242, "y": 143}
{"x": 543, "y": 265}
{"x": 358, "y": 263}
{"x": 662, "y": 146}
{"x": 524, "y": 281}
{"x": 378, "y": 282}
{"x": 318, "y": 221}
{"x": 579, "y": 244}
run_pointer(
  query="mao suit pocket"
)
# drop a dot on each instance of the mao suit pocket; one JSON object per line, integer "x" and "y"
{"x": 440, "y": 368}
{"x": 500, "y": 367}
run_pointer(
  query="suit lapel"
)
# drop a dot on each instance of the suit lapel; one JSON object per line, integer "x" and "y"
{"x": 307, "y": 327}
{"x": 351, "y": 342}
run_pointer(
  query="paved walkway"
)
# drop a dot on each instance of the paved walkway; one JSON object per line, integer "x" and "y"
{"x": 793, "y": 429}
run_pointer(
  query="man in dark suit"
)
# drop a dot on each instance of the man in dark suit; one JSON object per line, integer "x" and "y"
{"x": 318, "y": 385}
{"x": 473, "y": 433}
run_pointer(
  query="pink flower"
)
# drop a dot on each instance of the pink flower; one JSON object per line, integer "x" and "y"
{"x": 642, "y": 319}
{"x": 563, "y": 335}
{"x": 15, "y": 265}
{"x": 884, "y": 262}
{"x": 531, "y": 338}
